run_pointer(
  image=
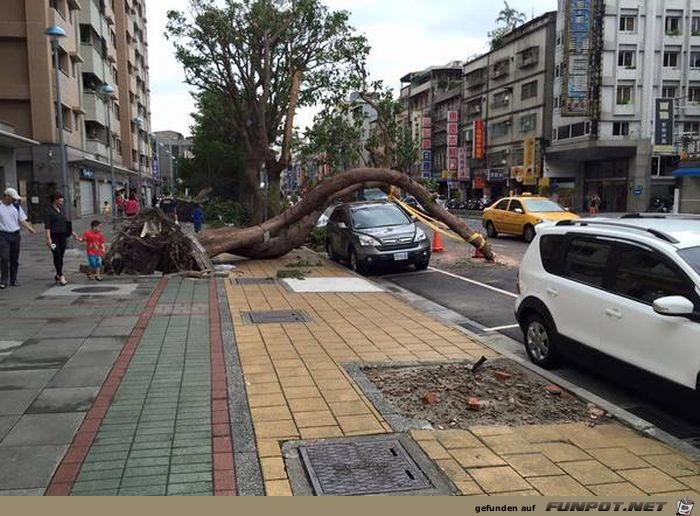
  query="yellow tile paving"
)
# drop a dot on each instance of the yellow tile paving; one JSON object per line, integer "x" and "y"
{"x": 297, "y": 388}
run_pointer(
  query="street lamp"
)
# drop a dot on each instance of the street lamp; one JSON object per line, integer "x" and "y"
{"x": 139, "y": 126}
{"x": 55, "y": 33}
{"x": 107, "y": 93}
{"x": 264, "y": 185}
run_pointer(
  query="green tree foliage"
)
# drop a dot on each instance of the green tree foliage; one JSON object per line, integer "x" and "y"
{"x": 218, "y": 160}
{"x": 508, "y": 20}
{"x": 267, "y": 58}
{"x": 336, "y": 138}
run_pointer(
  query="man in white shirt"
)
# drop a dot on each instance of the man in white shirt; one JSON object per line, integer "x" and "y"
{"x": 12, "y": 218}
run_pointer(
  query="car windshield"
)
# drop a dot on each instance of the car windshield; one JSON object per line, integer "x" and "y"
{"x": 691, "y": 257}
{"x": 542, "y": 206}
{"x": 378, "y": 217}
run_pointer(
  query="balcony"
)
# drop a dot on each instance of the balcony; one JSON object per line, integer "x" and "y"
{"x": 501, "y": 69}
{"x": 475, "y": 79}
{"x": 94, "y": 108}
{"x": 97, "y": 147}
{"x": 93, "y": 62}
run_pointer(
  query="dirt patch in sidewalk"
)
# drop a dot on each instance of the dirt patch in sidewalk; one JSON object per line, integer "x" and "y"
{"x": 499, "y": 393}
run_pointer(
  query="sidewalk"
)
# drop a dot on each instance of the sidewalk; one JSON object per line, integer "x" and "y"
{"x": 171, "y": 389}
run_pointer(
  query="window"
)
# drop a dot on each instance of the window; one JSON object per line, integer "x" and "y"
{"x": 499, "y": 130}
{"x": 645, "y": 277}
{"x": 501, "y": 99}
{"x": 557, "y": 102}
{"x": 67, "y": 118}
{"x": 529, "y": 57}
{"x": 586, "y": 261}
{"x": 628, "y": 23}
{"x": 621, "y": 128}
{"x": 528, "y": 90}
{"x": 501, "y": 69}
{"x": 503, "y": 205}
{"x": 528, "y": 123}
{"x": 578, "y": 129}
{"x": 557, "y": 70}
{"x": 673, "y": 25}
{"x": 695, "y": 26}
{"x": 671, "y": 59}
{"x": 694, "y": 94}
{"x": 117, "y": 113}
{"x": 551, "y": 249}
{"x": 691, "y": 257}
{"x": 691, "y": 128}
{"x": 516, "y": 205}
{"x": 695, "y": 59}
{"x": 625, "y": 59}
{"x": 669, "y": 92}
{"x": 564, "y": 132}
{"x": 624, "y": 95}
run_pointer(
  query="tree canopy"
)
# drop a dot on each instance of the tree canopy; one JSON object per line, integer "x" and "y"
{"x": 265, "y": 59}
{"x": 508, "y": 20}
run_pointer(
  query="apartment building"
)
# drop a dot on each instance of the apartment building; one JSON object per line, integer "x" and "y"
{"x": 105, "y": 44}
{"x": 169, "y": 147}
{"x": 506, "y": 110}
{"x": 418, "y": 97}
{"x": 627, "y": 90}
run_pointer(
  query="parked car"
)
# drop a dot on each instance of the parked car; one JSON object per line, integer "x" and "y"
{"x": 372, "y": 194}
{"x": 624, "y": 288}
{"x": 521, "y": 215}
{"x": 366, "y": 234}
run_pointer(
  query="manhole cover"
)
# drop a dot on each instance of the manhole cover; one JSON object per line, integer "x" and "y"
{"x": 362, "y": 468}
{"x": 254, "y": 281}
{"x": 275, "y": 316}
{"x": 94, "y": 290}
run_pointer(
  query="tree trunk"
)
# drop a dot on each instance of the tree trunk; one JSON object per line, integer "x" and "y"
{"x": 268, "y": 239}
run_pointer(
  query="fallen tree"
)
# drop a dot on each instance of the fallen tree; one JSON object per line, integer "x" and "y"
{"x": 287, "y": 231}
{"x": 152, "y": 242}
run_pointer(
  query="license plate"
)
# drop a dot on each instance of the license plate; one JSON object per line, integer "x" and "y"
{"x": 398, "y": 257}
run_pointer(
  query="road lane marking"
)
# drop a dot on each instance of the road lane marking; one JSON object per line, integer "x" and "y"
{"x": 478, "y": 283}
{"x": 501, "y": 328}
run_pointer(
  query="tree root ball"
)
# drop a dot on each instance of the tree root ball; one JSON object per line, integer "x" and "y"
{"x": 151, "y": 242}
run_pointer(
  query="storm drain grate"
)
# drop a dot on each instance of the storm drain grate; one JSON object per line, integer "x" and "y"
{"x": 94, "y": 290}
{"x": 275, "y": 316}
{"x": 254, "y": 281}
{"x": 362, "y": 468}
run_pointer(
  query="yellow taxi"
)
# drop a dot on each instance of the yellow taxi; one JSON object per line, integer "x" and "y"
{"x": 520, "y": 215}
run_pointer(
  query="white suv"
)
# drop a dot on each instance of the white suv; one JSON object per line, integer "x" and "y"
{"x": 628, "y": 288}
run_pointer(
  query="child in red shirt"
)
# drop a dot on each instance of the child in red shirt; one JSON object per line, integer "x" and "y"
{"x": 95, "y": 247}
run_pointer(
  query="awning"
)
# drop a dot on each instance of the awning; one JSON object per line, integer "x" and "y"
{"x": 686, "y": 172}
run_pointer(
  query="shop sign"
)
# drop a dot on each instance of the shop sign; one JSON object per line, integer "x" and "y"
{"x": 479, "y": 149}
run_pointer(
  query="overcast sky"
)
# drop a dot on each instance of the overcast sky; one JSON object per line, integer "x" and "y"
{"x": 405, "y": 35}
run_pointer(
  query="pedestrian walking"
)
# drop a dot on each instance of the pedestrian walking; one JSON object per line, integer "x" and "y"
{"x": 12, "y": 219}
{"x": 95, "y": 248}
{"x": 131, "y": 209}
{"x": 198, "y": 218}
{"x": 106, "y": 211}
{"x": 58, "y": 231}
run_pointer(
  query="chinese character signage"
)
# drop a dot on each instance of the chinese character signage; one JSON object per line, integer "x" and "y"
{"x": 427, "y": 166}
{"x": 452, "y": 140}
{"x": 663, "y": 139}
{"x": 479, "y": 142}
{"x": 462, "y": 169}
{"x": 426, "y": 122}
{"x": 156, "y": 167}
{"x": 529, "y": 154}
{"x": 453, "y": 116}
{"x": 427, "y": 146}
{"x": 452, "y": 128}
{"x": 576, "y": 98}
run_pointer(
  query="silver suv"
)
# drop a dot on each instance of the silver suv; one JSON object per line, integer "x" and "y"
{"x": 372, "y": 233}
{"x": 627, "y": 289}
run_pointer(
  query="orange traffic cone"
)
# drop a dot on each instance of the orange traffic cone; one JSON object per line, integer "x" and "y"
{"x": 437, "y": 243}
{"x": 478, "y": 254}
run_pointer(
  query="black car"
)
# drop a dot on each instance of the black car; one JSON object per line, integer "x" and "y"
{"x": 364, "y": 234}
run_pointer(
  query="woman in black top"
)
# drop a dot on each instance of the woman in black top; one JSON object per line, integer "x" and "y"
{"x": 58, "y": 229}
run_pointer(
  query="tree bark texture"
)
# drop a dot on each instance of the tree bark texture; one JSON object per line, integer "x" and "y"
{"x": 283, "y": 233}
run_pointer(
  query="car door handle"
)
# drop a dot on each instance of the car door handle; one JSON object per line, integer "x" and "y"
{"x": 613, "y": 312}
{"x": 552, "y": 292}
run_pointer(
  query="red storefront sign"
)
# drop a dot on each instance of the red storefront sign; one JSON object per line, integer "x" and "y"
{"x": 426, "y": 144}
{"x": 452, "y": 152}
{"x": 426, "y": 122}
{"x": 453, "y": 116}
{"x": 479, "y": 183}
{"x": 427, "y": 133}
{"x": 452, "y": 140}
{"x": 452, "y": 128}
{"x": 452, "y": 164}
{"x": 479, "y": 139}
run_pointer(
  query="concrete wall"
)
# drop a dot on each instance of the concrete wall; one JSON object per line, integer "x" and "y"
{"x": 690, "y": 195}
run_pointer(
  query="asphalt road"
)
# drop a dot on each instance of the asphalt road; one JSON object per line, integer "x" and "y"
{"x": 484, "y": 295}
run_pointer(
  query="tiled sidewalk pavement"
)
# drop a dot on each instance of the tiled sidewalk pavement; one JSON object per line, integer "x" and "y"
{"x": 297, "y": 388}
{"x": 156, "y": 437}
{"x": 55, "y": 352}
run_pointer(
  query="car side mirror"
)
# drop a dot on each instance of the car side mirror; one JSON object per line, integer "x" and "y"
{"x": 414, "y": 218}
{"x": 519, "y": 210}
{"x": 567, "y": 209}
{"x": 674, "y": 306}
{"x": 342, "y": 225}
